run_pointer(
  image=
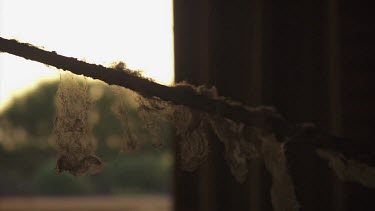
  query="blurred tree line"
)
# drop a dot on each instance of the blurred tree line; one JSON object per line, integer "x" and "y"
{"x": 27, "y": 154}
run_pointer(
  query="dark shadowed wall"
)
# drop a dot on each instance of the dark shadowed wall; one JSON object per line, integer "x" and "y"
{"x": 312, "y": 60}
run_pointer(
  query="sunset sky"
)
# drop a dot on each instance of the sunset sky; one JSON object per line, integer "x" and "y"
{"x": 138, "y": 32}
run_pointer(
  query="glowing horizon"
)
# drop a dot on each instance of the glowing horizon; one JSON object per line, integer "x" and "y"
{"x": 138, "y": 32}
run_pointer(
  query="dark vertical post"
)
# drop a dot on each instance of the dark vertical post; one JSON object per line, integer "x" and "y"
{"x": 258, "y": 192}
{"x": 297, "y": 82}
{"x": 219, "y": 43}
{"x": 357, "y": 49}
{"x": 191, "y": 35}
{"x": 335, "y": 103}
{"x": 334, "y": 68}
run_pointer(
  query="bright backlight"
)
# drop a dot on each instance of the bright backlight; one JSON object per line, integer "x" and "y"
{"x": 138, "y": 32}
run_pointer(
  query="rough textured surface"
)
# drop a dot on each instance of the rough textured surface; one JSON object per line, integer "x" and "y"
{"x": 120, "y": 111}
{"x": 152, "y": 112}
{"x": 349, "y": 170}
{"x": 192, "y": 131}
{"x": 245, "y": 135}
{"x": 283, "y": 195}
{"x": 194, "y": 98}
{"x": 192, "y": 127}
{"x": 242, "y": 142}
{"x": 75, "y": 145}
{"x": 239, "y": 142}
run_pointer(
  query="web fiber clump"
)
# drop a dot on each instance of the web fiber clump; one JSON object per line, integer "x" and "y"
{"x": 192, "y": 132}
{"x": 129, "y": 141}
{"x": 74, "y": 140}
{"x": 193, "y": 129}
{"x": 148, "y": 111}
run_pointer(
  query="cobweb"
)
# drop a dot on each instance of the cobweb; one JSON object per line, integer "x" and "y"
{"x": 193, "y": 131}
{"x": 192, "y": 128}
{"x": 75, "y": 144}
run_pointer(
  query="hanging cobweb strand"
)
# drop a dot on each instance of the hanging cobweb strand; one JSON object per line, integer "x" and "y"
{"x": 75, "y": 144}
{"x": 242, "y": 143}
{"x": 129, "y": 142}
{"x": 193, "y": 130}
{"x": 147, "y": 111}
{"x": 153, "y": 112}
{"x": 348, "y": 169}
{"x": 192, "y": 135}
{"x": 239, "y": 142}
{"x": 283, "y": 195}
{"x": 190, "y": 126}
